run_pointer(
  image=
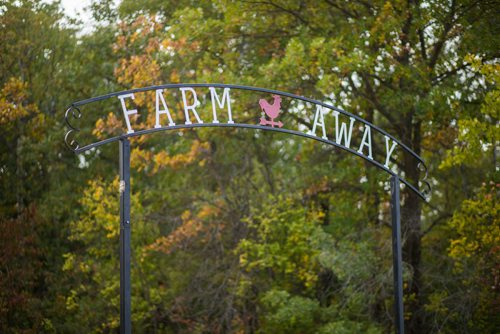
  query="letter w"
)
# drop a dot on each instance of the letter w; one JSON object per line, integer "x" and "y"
{"x": 343, "y": 133}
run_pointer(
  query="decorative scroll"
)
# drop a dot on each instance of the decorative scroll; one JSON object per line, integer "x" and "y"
{"x": 427, "y": 186}
{"x": 70, "y": 136}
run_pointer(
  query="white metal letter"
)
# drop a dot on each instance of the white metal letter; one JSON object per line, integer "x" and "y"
{"x": 225, "y": 98}
{"x": 366, "y": 141}
{"x": 190, "y": 107}
{"x": 126, "y": 112}
{"x": 159, "y": 97}
{"x": 388, "y": 150}
{"x": 343, "y": 130}
{"x": 317, "y": 116}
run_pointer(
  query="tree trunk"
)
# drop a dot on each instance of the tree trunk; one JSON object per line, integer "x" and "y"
{"x": 412, "y": 234}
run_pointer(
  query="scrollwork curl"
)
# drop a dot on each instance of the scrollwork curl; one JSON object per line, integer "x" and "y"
{"x": 70, "y": 136}
{"x": 423, "y": 168}
{"x": 71, "y": 142}
{"x": 427, "y": 188}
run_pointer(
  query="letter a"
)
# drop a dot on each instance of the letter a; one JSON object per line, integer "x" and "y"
{"x": 159, "y": 97}
{"x": 317, "y": 116}
{"x": 191, "y": 107}
{"x": 366, "y": 141}
{"x": 388, "y": 150}
{"x": 126, "y": 112}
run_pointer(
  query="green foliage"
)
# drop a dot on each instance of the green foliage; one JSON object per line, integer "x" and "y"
{"x": 94, "y": 266}
{"x": 288, "y": 314}
{"x": 348, "y": 327}
{"x": 295, "y": 314}
{"x": 474, "y": 249}
{"x": 479, "y": 135}
{"x": 477, "y": 225}
{"x": 286, "y": 244}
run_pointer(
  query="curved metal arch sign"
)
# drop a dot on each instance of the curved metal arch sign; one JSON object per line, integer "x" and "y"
{"x": 325, "y": 123}
{"x": 180, "y": 106}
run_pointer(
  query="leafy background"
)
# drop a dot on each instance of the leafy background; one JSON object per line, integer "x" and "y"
{"x": 238, "y": 231}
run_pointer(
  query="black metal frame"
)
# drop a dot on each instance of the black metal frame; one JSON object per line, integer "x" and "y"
{"x": 125, "y": 230}
{"x": 125, "y": 283}
{"x": 397, "y": 258}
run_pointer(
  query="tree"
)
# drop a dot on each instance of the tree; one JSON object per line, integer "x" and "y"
{"x": 39, "y": 60}
{"x": 33, "y": 45}
{"x": 402, "y": 64}
{"x": 474, "y": 249}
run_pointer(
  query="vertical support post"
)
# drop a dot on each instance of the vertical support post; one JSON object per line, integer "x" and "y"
{"x": 125, "y": 305}
{"x": 397, "y": 256}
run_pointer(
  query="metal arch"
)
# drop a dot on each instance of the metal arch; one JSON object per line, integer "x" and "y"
{"x": 249, "y": 126}
{"x": 250, "y": 88}
{"x": 76, "y": 113}
{"x": 125, "y": 248}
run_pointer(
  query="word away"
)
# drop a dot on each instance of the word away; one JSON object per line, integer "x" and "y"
{"x": 343, "y": 132}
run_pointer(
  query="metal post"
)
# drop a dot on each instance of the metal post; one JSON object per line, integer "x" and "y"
{"x": 397, "y": 256}
{"x": 125, "y": 321}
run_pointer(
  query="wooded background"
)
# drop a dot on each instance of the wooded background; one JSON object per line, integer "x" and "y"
{"x": 237, "y": 231}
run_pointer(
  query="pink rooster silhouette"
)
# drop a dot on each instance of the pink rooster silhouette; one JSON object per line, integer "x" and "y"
{"x": 271, "y": 110}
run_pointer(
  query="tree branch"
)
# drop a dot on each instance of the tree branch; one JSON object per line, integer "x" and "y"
{"x": 343, "y": 10}
{"x": 423, "y": 49}
{"x": 366, "y": 4}
{"x": 286, "y": 10}
{"x": 382, "y": 81}
{"x": 443, "y": 76}
{"x": 372, "y": 97}
{"x": 438, "y": 46}
{"x": 436, "y": 222}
